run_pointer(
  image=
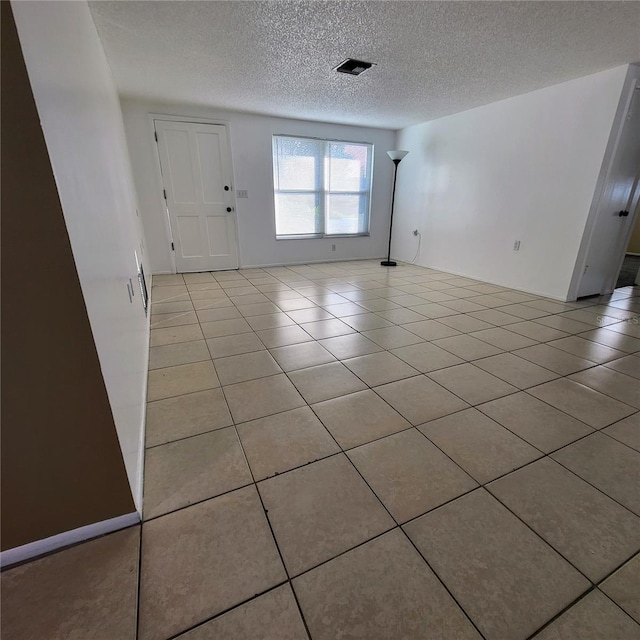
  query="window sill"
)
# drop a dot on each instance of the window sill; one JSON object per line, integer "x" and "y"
{"x": 324, "y": 237}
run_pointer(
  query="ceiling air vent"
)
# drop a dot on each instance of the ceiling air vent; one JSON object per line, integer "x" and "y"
{"x": 353, "y": 67}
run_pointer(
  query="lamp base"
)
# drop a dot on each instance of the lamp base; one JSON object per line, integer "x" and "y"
{"x": 388, "y": 263}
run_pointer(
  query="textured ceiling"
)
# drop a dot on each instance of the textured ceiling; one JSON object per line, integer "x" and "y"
{"x": 432, "y": 58}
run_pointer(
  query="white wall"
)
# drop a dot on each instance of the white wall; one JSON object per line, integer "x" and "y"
{"x": 523, "y": 169}
{"x": 82, "y": 122}
{"x": 250, "y": 138}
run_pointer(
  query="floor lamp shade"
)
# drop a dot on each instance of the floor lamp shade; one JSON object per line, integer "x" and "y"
{"x": 396, "y": 156}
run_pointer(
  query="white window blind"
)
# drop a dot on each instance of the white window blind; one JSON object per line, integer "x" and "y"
{"x": 322, "y": 187}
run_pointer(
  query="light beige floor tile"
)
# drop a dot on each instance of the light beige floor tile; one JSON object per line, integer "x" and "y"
{"x": 379, "y": 368}
{"x": 234, "y": 345}
{"x": 475, "y": 541}
{"x": 194, "y": 278}
{"x": 379, "y": 591}
{"x": 554, "y": 359}
{"x": 462, "y": 306}
{"x": 171, "y": 355}
{"x": 409, "y": 474}
{"x": 590, "y": 316}
{"x": 171, "y": 335}
{"x": 551, "y": 306}
{"x": 269, "y": 321}
{"x": 581, "y": 402}
{"x": 564, "y": 324}
{"x": 524, "y": 311}
{"x": 314, "y": 314}
{"x": 608, "y": 465}
{"x": 181, "y": 379}
{"x": 503, "y": 339}
{"x": 465, "y": 323}
{"x": 622, "y": 587}
{"x": 263, "y": 397}
{"x": 217, "y": 303}
{"x": 350, "y": 346}
{"x": 392, "y": 337}
{"x": 282, "y": 336}
{"x": 82, "y": 592}
{"x": 271, "y": 616}
{"x": 221, "y": 328}
{"x": 321, "y": 510}
{"x": 164, "y": 280}
{"x": 483, "y": 448}
{"x": 594, "y": 617}
{"x": 488, "y": 300}
{"x": 420, "y": 399}
{"x": 426, "y": 357}
{"x": 378, "y": 304}
{"x": 516, "y": 371}
{"x": 194, "y": 469}
{"x": 472, "y": 384}
{"x": 535, "y": 421}
{"x": 627, "y": 328}
{"x": 587, "y": 349}
{"x": 467, "y": 347}
{"x": 257, "y": 309}
{"x": 629, "y": 365}
{"x": 301, "y": 356}
{"x": 246, "y": 366}
{"x": 327, "y": 328}
{"x": 284, "y": 441}
{"x": 589, "y": 529}
{"x": 430, "y": 329}
{"x": 434, "y": 310}
{"x": 208, "y": 295}
{"x": 159, "y": 308}
{"x": 496, "y": 317}
{"x": 175, "y": 293}
{"x": 203, "y": 286}
{"x": 397, "y": 316}
{"x": 626, "y": 431}
{"x": 325, "y": 381}
{"x": 185, "y": 553}
{"x": 613, "y": 339}
{"x": 538, "y": 332}
{"x": 611, "y": 383}
{"x": 358, "y": 418}
{"x": 219, "y": 313}
{"x": 184, "y": 416}
{"x": 293, "y": 304}
{"x": 163, "y": 320}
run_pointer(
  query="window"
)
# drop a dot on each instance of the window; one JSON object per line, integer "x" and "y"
{"x": 322, "y": 187}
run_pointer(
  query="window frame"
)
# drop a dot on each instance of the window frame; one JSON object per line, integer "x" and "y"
{"x": 321, "y": 192}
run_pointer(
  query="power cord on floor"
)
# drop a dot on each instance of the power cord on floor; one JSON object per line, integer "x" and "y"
{"x": 417, "y": 233}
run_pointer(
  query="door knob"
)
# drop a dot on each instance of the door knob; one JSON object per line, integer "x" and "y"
{"x": 226, "y": 187}
{"x": 623, "y": 214}
{"x": 229, "y": 209}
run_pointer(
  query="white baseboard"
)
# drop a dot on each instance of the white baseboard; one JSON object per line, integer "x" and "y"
{"x": 302, "y": 262}
{"x": 40, "y": 547}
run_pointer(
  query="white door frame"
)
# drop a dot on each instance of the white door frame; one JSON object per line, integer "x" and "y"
{"x": 631, "y": 83}
{"x": 151, "y": 118}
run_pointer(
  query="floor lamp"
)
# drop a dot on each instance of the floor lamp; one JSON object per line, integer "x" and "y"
{"x": 396, "y": 156}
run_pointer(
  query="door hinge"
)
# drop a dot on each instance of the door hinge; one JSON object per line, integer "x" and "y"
{"x": 172, "y": 247}
{"x": 155, "y": 133}
{"x": 164, "y": 191}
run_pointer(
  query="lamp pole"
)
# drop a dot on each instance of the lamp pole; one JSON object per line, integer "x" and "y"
{"x": 397, "y": 157}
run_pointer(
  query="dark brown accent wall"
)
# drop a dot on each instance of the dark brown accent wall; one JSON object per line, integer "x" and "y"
{"x": 62, "y": 467}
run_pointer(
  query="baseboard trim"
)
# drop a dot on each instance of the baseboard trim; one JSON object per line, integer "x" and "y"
{"x": 303, "y": 262}
{"x": 67, "y": 538}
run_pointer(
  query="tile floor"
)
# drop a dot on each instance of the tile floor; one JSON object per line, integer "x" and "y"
{"x": 347, "y": 451}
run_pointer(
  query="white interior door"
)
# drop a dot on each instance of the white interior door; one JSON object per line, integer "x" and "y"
{"x": 611, "y": 230}
{"x": 196, "y": 172}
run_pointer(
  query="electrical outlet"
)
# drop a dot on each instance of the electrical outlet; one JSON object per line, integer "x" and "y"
{"x": 516, "y": 245}
{"x": 333, "y": 247}
{"x": 415, "y": 232}
{"x": 242, "y": 193}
